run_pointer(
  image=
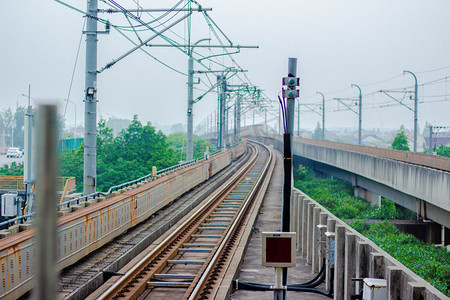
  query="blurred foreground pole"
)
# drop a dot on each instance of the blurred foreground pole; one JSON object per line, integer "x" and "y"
{"x": 46, "y": 275}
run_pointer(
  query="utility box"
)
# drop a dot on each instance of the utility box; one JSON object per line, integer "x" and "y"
{"x": 278, "y": 249}
{"x": 9, "y": 204}
{"x": 374, "y": 289}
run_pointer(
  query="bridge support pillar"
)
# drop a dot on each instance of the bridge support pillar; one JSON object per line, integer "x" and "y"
{"x": 373, "y": 198}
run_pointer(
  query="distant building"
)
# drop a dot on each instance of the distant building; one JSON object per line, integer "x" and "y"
{"x": 437, "y": 141}
{"x": 374, "y": 141}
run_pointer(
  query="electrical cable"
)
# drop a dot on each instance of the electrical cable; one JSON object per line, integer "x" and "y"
{"x": 74, "y": 68}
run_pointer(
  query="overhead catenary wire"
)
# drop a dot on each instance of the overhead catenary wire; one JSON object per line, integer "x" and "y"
{"x": 74, "y": 68}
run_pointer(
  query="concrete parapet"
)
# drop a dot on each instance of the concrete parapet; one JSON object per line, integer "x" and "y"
{"x": 315, "y": 238}
{"x": 76, "y": 207}
{"x": 376, "y": 265}
{"x": 14, "y": 229}
{"x": 309, "y": 232}
{"x": 4, "y": 233}
{"x": 112, "y": 194}
{"x": 354, "y": 255}
{"x": 350, "y": 265}
{"x": 339, "y": 263}
{"x": 25, "y": 226}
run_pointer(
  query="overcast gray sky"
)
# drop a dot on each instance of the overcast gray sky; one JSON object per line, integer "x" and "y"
{"x": 337, "y": 43}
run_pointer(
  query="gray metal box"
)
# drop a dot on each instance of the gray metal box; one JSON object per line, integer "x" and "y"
{"x": 374, "y": 289}
{"x": 9, "y": 205}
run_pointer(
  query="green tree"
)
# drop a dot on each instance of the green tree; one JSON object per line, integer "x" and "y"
{"x": 178, "y": 143}
{"x": 130, "y": 155}
{"x": 401, "y": 140}
{"x": 443, "y": 151}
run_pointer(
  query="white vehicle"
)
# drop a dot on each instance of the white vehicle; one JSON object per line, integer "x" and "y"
{"x": 14, "y": 152}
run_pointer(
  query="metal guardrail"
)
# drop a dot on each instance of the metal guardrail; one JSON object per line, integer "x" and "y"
{"x": 16, "y": 182}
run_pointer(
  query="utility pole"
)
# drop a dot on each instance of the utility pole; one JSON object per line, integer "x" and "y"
{"x": 237, "y": 123}
{"x": 415, "y": 109}
{"x": 298, "y": 119}
{"x": 190, "y": 104}
{"x": 430, "y": 151}
{"x": 29, "y": 176}
{"x": 90, "y": 102}
{"x": 359, "y": 115}
{"x": 222, "y": 86}
{"x": 323, "y": 115}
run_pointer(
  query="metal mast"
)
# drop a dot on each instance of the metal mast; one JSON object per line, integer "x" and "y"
{"x": 323, "y": 115}
{"x": 359, "y": 115}
{"x": 415, "y": 109}
{"x": 90, "y": 115}
{"x": 222, "y": 86}
{"x": 190, "y": 104}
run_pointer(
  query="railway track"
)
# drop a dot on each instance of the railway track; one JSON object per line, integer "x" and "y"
{"x": 82, "y": 278}
{"x": 189, "y": 262}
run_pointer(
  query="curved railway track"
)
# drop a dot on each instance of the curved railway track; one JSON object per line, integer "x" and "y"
{"x": 79, "y": 280}
{"x": 190, "y": 261}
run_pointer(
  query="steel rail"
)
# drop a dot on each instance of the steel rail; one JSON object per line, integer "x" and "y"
{"x": 175, "y": 237}
{"x": 207, "y": 273}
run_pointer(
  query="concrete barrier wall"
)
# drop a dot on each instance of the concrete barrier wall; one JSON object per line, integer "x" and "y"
{"x": 421, "y": 182}
{"x": 414, "y": 181}
{"x": 355, "y": 256}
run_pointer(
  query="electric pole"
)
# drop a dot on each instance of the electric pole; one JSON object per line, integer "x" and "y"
{"x": 90, "y": 102}
{"x": 190, "y": 104}
{"x": 323, "y": 115}
{"x": 222, "y": 87}
{"x": 359, "y": 115}
{"x": 415, "y": 109}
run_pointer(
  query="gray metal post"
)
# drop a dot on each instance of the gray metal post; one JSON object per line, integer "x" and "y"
{"x": 279, "y": 120}
{"x": 290, "y": 113}
{"x": 430, "y": 151}
{"x": 90, "y": 114}
{"x": 237, "y": 124}
{"x": 415, "y": 109}
{"x": 298, "y": 118}
{"x": 46, "y": 273}
{"x": 221, "y": 113}
{"x": 190, "y": 104}
{"x": 265, "y": 119}
{"x": 359, "y": 115}
{"x": 323, "y": 115}
{"x": 28, "y": 174}
{"x": 287, "y": 161}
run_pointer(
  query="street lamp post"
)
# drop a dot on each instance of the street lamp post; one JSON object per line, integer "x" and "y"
{"x": 359, "y": 115}
{"x": 323, "y": 115}
{"x": 190, "y": 104}
{"x": 415, "y": 109}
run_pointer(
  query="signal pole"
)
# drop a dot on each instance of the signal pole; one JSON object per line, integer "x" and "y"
{"x": 290, "y": 92}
